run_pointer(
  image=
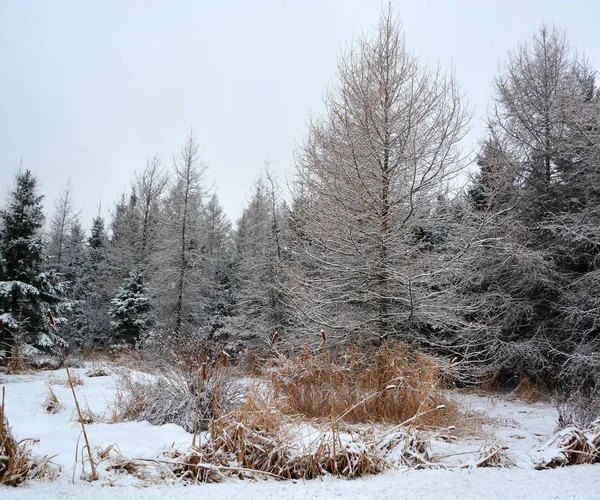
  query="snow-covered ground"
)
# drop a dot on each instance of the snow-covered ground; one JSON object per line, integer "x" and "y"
{"x": 522, "y": 427}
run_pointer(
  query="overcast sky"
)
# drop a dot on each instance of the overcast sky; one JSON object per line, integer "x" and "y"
{"x": 90, "y": 89}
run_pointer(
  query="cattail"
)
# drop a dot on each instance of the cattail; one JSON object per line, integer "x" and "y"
{"x": 323, "y": 335}
{"x": 204, "y": 370}
{"x": 0, "y": 325}
{"x": 51, "y": 319}
{"x": 274, "y": 339}
{"x": 224, "y": 357}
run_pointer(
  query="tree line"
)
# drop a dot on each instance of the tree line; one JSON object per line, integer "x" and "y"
{"x": 378, "y": 238}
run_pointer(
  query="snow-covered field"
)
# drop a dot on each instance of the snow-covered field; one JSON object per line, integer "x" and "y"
{"x": 522, "y": 427}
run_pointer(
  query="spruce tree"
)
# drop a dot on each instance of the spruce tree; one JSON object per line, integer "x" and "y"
{"x": 130, "y": 308}
{"x": 24, "y": 291}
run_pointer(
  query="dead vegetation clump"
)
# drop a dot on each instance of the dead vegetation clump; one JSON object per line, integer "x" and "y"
{"x": 17, "y": 463}
{"x": 52, "y": 404}
{"x": 391, "y": 384}
{"x": 262, "y": 441}
{"x": 530, "y": 391}
{"x": 493, "y": 454}
{"x": 579, "y": 408}
{"x": 17, "y": 362}
{"x": 572, "y": 446}
{"x": 98, "y": 370}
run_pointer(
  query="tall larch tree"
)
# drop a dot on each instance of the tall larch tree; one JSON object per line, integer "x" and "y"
{"x": 371, "y": 171}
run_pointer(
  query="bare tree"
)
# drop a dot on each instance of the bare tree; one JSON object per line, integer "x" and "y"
{"x": 64, "y": 215}
{"x": 150, "y": 186}
{"x": 259, "y": 262}
{"x": 373, "y": 173}
{"x": 538, "y": 95}
{"x": 180, "y": 269}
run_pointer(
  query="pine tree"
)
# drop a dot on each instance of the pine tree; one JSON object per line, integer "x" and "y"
{"x": 24, "y": 291}
{"x": 76, "y": 273}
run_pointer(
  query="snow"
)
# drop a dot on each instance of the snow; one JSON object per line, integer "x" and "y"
{"x": 523, "y": 427}
{"x": 581, "y": 482}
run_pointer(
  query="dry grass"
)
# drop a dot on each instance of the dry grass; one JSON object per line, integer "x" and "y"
{"x": 262, "y": 441}
{"x": 52, "y": 404}
{"x": 74, "y": 378}
{"x": 17, "y": 361}
{"x": 390, "y": 384}
{"x": 528, "y": 390}
{"x": 494, "y": 454}
{"x": 17, "y": 463}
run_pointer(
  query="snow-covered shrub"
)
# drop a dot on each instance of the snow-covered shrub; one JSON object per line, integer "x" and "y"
{"x": 175, "y": 397}
{"x": 98, "y": 371}
{"x": 182, "y": 352}
{"x": 581, "y": 407}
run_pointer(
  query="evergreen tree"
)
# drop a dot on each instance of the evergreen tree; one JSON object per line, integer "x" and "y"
{"x": 24, "y": 292}
{"x": 76, "y": 273}
{"x": 99, "y": 284}
{"x": 130, "y": 308}
{"x": 533, "y": 277}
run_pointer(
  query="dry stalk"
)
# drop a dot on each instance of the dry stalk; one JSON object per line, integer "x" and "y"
{"x": 58, "y": 343}
{"x": 201, "y": 382}
{"x": 493, "y": 454}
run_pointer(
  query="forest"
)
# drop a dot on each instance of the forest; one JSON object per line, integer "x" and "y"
{"x": 390, "y": 234}
{"x": 387, "y": 232}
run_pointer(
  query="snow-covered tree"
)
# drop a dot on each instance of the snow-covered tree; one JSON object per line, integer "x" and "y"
{"x": 532, "y": 278}
{"x": 129, "y": 309}
{"x": 179, "y": 270}
{"x": 150, "y": 186}
{"x": 216, "y": 255}
{"x": 76, "y": 274}
{"x": 64, "y": 216}
{"x": 99, "y": 284}
{"x": 25, "y": 292}
{"x": 258, "y": 270}
{"x": 372, "y": 171}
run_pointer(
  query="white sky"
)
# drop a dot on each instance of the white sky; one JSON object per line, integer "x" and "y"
{"x": 89, "y": 90}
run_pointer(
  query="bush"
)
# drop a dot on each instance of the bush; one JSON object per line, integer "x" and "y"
{"x": 175, "y": 397}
